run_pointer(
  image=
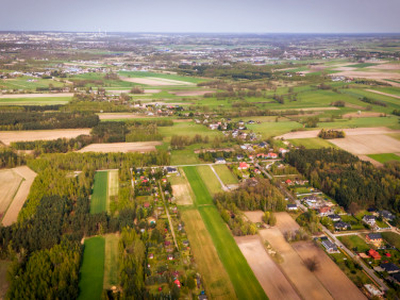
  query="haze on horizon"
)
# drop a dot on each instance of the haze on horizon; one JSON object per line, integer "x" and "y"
{"x": 252, "y": 16}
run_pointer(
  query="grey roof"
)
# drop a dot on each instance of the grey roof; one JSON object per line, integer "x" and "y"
{"x": 374, "y": 236}
{"x": 329, "y": 245}
{"x": 390, "y": 267}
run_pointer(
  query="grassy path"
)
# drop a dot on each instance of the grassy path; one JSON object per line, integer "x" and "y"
{"x": 92, "y": 269}
{"x": 242, "y": 277}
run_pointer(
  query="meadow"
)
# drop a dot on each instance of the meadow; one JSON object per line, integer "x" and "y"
{"x": 312, "y": 143}
{"x": 208, "y": 177}
{"x": 111, "y": 266}
{"x": 98, "y": 201}
{"x": 92, "y": 269}
{"x": 225, "y": 174}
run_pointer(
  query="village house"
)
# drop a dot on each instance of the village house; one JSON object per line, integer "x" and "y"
{"x": 334, "y": 217}
{"x": 324, "y": 211}
{"x": 339, "y": 226}
{"x": 390, "y": 268}
{"x": 329, "y": 246}
{"x": 243, "y": 166}
{"x": 220, "y": 160}
{"x": 370, "y": 220}
{"x": 375, "y": 239}
{"x": 291, "y": 207}
{"x": 386, "y": 215}
{"x": 374, "y": 254}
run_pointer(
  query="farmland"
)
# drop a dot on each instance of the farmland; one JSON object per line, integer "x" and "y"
{"x": 312, "y": 143}
{"x": 385, "y": 157}
{"x": 112, "y": 187}
{"x": 7, "y": 137}
{"x": 9, "y": 184}
{"x": 208, "y": 177}
{"x": 19, "y": 198}
{"x": 111, "y": 266}
{"x": 120, "y": 147}
{"x": 216, "y": 279}
{"x": 181, "y": 189}
{"x": 98, "y": 201}
{"x": 92, "y": 269}
{"x": 24, "y": 100}
{"x": 245, "y": 283}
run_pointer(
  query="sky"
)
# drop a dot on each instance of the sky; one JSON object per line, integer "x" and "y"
{"x": 234, "y": 16}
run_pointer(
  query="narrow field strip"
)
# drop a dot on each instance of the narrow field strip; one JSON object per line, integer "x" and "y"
{"x": 98, "y": 201}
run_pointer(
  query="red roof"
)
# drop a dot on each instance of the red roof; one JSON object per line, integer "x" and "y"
{"x": 272, "y": 154}
{"x": 388, "y": 254}
{"x": 375, "y": 255}
{"x": 243, "y": 165}
{"x": 288, "y": 181}
{"x": 177, "y": 282}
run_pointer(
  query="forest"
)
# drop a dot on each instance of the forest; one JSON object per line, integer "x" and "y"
{"x": 353, "y": 183}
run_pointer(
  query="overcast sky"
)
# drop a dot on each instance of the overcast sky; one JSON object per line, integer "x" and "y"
{"x": 259, "y": 16}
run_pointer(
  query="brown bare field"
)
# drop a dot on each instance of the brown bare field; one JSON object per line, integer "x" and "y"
{"x": 285, "y": 222}
{"x": 155, "y": 81}
{"x": 372, "y": 161}
{"x": 368, "y": 144}
{"x": 8, "y": 137}
{"x": 384, "y": 94}
{"x": 369, "y": 75}
{"x": 364, "y": 114}
{"x": 13, "y": 96}
{"x": 182, "y": 120}
{"x": 121, "y": 147}
{"x": 349, "y": 132}
{"x": 254, "y": 216}
{"x": 271, "y": 278}
{"x": 214, "y": 276}
{"x": 128, "y": 91}
{"x": 306, "y": 283}
{"x": 9, "y": 184}
{"x": 190, "y": 93}
{"x": 328, "y": 273}
{"x": 385, "y": 67}
{"x": 21, "y": 195}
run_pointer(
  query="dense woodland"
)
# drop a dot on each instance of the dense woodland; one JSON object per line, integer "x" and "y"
{"x": 351, "y": 182}
{"x": 50, "y": 120}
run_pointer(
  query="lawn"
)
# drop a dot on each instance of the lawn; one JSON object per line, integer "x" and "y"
{"x": 92, "y": 269}
{"x": 355, "y": 243}
{"x": 209, "y": 178}
{"x": 245, "y": 283}
{"x": 215, "y": 278}
{"x": 392, "y": 238}
{"x": 98, "y": 201}
{"x": 225, "y": 174}
{"x": 313, "y": 143}
{"x": 382, "y": 158}
{"x": 111, "y": 261}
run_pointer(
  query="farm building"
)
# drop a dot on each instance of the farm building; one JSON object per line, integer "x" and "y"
{"x": 375, "y": 238}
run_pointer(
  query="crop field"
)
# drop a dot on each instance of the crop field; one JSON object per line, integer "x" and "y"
{"x": 210, "y": 180}
{"x": 273, "y": 281}
{"x": 19, "y": 198}
{"x": 9, "y": 184}
{"x": 7, "y": 137}
{"x": 328, "y": 273}
{"x": 225, "y": 174}
{"x": 269, "y": 129}
{"x": 355, "y": 243}
{"x": 245, "y": 283}
{"x": 112, "y": 184}
{"x": 35, "y": 101}
{"x": 385, "y": 157}
{"x": 111, "y": 261}
{"x": 312, "y": 143}
{"x": 216, "y": 280}
{"x": 306, "y": 283}
{"x": 92, "y": 269}
{"x": 120, "y": 147}
{"x": 98, "y": 200}
{"x": 28, "y": 83}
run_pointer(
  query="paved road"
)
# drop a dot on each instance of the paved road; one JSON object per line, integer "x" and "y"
{"x": 169, "y": 217}
{"x": 370, "y": 272}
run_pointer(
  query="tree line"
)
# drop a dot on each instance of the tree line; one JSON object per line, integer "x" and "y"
{"x": 331, "y": 134}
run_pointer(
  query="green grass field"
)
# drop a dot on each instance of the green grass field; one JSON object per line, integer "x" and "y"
{"x": 245, "y": 283}
{"x": 98, "y": 201}
{"x": 184, "y": 157}
{"x": 111, "y": 261}
{"x": 382, "y": 158}
{"x": 392, "y": 238}
{"x": 354, "y": 242}
{"x": 92, "y": 269}
{"x": 209, "y": 178}
{"x": 361, "y": 65}
{"x": 225, "y": 174}
{"x": 313, "y": 143}
{"x": 112, "y": 187}
{"x": 139, "y": 74}
{"x": 35, "y": 101}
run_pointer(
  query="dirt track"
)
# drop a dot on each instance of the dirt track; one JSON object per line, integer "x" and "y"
{"x": 121, "y": 147}
{"x": 328, "y": 273}
{"x": 35, "y": 135}
{"x": 21, "y": 195}
{"x": 271, "y": 278}
{"x": 384, "y": 94}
